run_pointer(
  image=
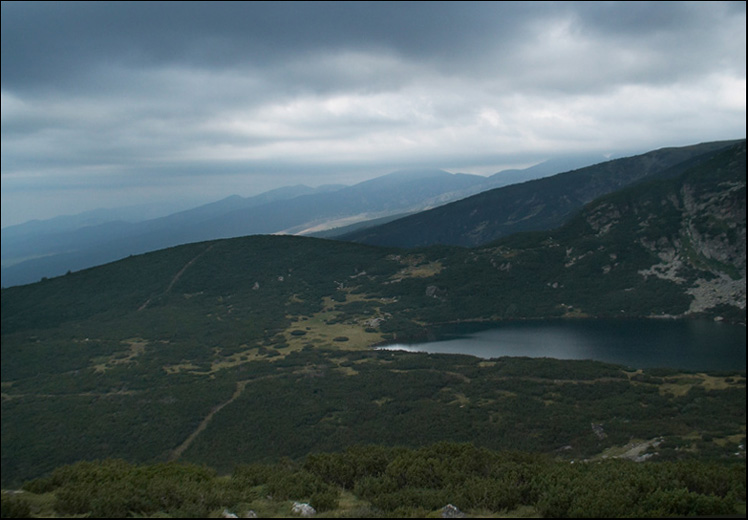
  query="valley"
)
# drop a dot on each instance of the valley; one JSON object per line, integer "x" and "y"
{"x": 239, "y": 354}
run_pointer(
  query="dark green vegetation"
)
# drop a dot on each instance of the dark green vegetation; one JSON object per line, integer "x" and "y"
{"x": 649, "y": 250}
{"x": 534, "y": 205}
{"x": 374, "y": 481}
{"x": 325, "y": 399}
{"x": 248, "y": 350}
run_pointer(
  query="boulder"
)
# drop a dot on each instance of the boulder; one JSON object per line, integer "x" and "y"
{"x": 450, "y": 511}
{"x": 303, "y": 509}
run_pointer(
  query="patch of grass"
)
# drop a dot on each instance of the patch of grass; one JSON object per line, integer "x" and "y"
{"x": 244, "y": 356}
{"x": 680, "y": 386}
{"x": 323, "y": 327}
{"x": 720, "y": 383}
{"x": 460, "y": 399}
{"x": 426, "y": 270}
{"x": 135, "y": 348}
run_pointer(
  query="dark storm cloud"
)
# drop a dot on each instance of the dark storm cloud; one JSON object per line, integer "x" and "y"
{"x": 44, "y": 42}
{"x": 63, "y": 45}
{"x": 259, "y": 94}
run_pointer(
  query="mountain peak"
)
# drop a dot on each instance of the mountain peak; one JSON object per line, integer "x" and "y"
{"x": 417, "y": 173}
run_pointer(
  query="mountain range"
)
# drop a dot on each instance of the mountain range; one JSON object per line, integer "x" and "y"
{"x": 538, "y": 204}
{"x": 49, "y": 248}
{"x": 671, "y": 247}
{"x": 128, "y": 358}
{"x": 42, "y": 249}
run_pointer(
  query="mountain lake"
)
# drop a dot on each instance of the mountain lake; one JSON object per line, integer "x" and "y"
{"x": 681, "y": 344}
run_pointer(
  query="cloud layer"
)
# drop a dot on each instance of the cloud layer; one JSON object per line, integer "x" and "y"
{"x": 116, "y": 103}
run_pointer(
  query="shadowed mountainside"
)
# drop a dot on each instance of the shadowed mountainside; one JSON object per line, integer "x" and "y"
{"x": 534, "y": 205}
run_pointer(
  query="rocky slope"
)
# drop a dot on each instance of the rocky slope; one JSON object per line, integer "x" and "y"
{"x": 689, "y": 232}
{"x": 707, "y": 254}
{"x": 667, "y": 248}
{"x": 534, "y": 205}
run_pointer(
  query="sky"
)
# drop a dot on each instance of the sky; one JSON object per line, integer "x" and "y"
{"x": 120, "y": 103}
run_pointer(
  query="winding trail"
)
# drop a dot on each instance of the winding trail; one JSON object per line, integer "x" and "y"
{"x": 176, "y": 277}
{"x": 179, "y": 450}
{"x": 240, "y": 385}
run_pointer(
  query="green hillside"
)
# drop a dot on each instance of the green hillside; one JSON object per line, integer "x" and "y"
{"x": 257, "y": 348}
{"x": 668, "y": 237}
{"x": 665, "y": 248}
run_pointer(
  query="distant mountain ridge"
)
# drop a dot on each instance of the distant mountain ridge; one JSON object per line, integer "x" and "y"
{"x": 533, "y": 205}
{"x": 73, "y": 232}
{"x": 286, "y": 210}
{"x": 680, "y": 234}
{"x": 43, "y": 249}
{"x": 304, "y": 210}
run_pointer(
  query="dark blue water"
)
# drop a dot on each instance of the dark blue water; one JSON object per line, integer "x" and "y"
{"x": 690, "y": 345}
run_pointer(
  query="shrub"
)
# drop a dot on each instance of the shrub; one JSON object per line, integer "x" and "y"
{"x": 326, "y": 499}
{"x": 15, "y": 507}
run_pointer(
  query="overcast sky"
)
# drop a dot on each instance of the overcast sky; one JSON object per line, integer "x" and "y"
{"x": 109, "y": 104}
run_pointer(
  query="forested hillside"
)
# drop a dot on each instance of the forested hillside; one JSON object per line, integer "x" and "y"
{"x": 248, "y": 350}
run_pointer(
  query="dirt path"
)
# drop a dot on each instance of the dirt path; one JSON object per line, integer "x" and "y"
{"x": 176, "y": 277}
{"x": 179, "y": 450}
{"x": 636, "y": 451}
